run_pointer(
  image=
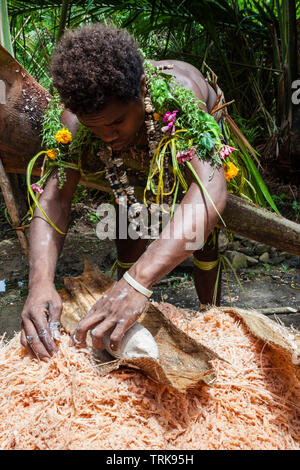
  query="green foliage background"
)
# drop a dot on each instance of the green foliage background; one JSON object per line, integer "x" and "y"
{"x": 246, "y": 42}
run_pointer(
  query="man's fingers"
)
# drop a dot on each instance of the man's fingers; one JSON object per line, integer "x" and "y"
{"x": 86, "y": 324}
{"x": 54, "y": 309}
{"x": 54, "y": 320}
{"x": 118, "y": 333}
{"x": 25, "y": 344}
{"x": 44, "y": 333}
{"x": 55, "y": 330}
{"x": 100, "y": 330}
{"x": 34, "y": 344}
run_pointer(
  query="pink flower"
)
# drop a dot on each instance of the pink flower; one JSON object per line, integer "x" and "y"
{"x": 185, "y": 155}
{"x": 225, "y": 151}
{"x": 169, "y": 119}
{"x": 36, "y": 188}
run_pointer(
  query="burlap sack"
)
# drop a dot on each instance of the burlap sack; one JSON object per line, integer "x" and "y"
{"x": 183, "y": 362}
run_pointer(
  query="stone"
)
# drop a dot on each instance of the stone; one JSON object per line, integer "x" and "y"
{"x": 251, "y": 261}
{"x": 247, "y": 250}
{"x": 293, "y": 262}
{"x": 223, "y": 242}
{"x": 235, "y": 246}
{"x": 238, "y": 260}
{"x": 276, "y": 260}
{"x": 265, "y": 257}
{"x": 240, "y": 238}
{"x": 260, "y": 249}
{"x": 248, "y": 244}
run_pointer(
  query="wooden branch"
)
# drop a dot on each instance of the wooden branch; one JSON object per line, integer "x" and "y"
{"x": 276, "y": 310}
{"x": 12, "y": 207}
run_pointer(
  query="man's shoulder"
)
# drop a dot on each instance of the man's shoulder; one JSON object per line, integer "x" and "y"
{"x": 70, "y": 120}
{"x": 184, "y": 68}
{"x": 189, "y": 76}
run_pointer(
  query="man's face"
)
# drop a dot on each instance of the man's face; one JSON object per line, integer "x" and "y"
{"x": 118, "y": 123}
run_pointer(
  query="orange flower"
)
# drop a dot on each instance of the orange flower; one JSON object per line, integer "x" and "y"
{"x": 52, "y": 154}
{"x": 63, "y": 136}
{"x": 230, "y": 172}
{"x": 156, "y": 116}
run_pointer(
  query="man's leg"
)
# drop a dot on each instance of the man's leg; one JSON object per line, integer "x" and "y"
{"x": 206, "y": 268}
{"x": 128, "y": 250}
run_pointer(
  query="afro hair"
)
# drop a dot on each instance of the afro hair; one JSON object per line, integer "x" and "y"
{"x": 94, "y": 63}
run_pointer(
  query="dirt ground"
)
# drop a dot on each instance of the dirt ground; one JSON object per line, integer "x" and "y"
{"x": 264, "y": 285}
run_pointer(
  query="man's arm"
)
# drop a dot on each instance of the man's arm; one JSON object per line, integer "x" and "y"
{"x": 45, "y": 243}
{"x": 43, "y": 305}
{"x": 120, "y": 307}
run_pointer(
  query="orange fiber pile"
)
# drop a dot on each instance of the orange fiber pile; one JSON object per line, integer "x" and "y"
{"x": 65, "y": 404}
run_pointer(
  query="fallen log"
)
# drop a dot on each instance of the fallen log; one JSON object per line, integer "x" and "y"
{"x": 247, "y": 219}
{"x": 21, "y": 116}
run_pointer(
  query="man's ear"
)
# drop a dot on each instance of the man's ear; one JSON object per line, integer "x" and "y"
{"x": 143, "y": 84}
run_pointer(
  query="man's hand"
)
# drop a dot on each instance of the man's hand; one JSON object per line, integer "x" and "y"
{"x": 40, "y": 320}
{"x": 116, "y": 311}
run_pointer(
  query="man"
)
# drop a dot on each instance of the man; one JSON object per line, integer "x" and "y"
{"x": 98, "y": 72}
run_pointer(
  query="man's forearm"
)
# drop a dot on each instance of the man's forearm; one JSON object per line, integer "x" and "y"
{"x": 187, "y": 231}
{"x": 45, "y": 244}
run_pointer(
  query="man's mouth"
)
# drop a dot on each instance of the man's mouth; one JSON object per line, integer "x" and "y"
{"x": 118, "y": 145}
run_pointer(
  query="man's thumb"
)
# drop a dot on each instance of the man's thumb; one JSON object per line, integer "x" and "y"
{"x": 54, "y": 320}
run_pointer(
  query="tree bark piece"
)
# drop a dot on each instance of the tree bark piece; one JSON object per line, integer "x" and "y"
{"x": 276, "y": 310}
{"x": 21, "y": 114}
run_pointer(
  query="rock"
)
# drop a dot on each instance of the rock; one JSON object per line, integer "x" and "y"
{"x": 293, "y": 262}
{"x": 283, "y": 253}
{"x": 235, "y": 246}
{"x": 265, "y": 257}
{"x": 248, "y": 244}
{"x": 241, "y": 238}
{"x": 223, "y": 242}
{"x": 238, "y": 260}
{"x": 260, "y": 249}
{"x": 247, "y": 250}
{"x": 251, "y": 261}
{"x": 7, "y": 243}
{"x": 276, "y": 260}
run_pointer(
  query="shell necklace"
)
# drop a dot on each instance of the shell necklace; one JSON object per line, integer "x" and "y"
{"x": 115, "y": 171}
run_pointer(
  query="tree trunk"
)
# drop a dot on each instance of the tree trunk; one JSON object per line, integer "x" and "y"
{"x": 288, "y": 113}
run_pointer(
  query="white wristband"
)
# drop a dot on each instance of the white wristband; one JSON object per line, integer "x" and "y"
{"x": 136, "y": 285}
